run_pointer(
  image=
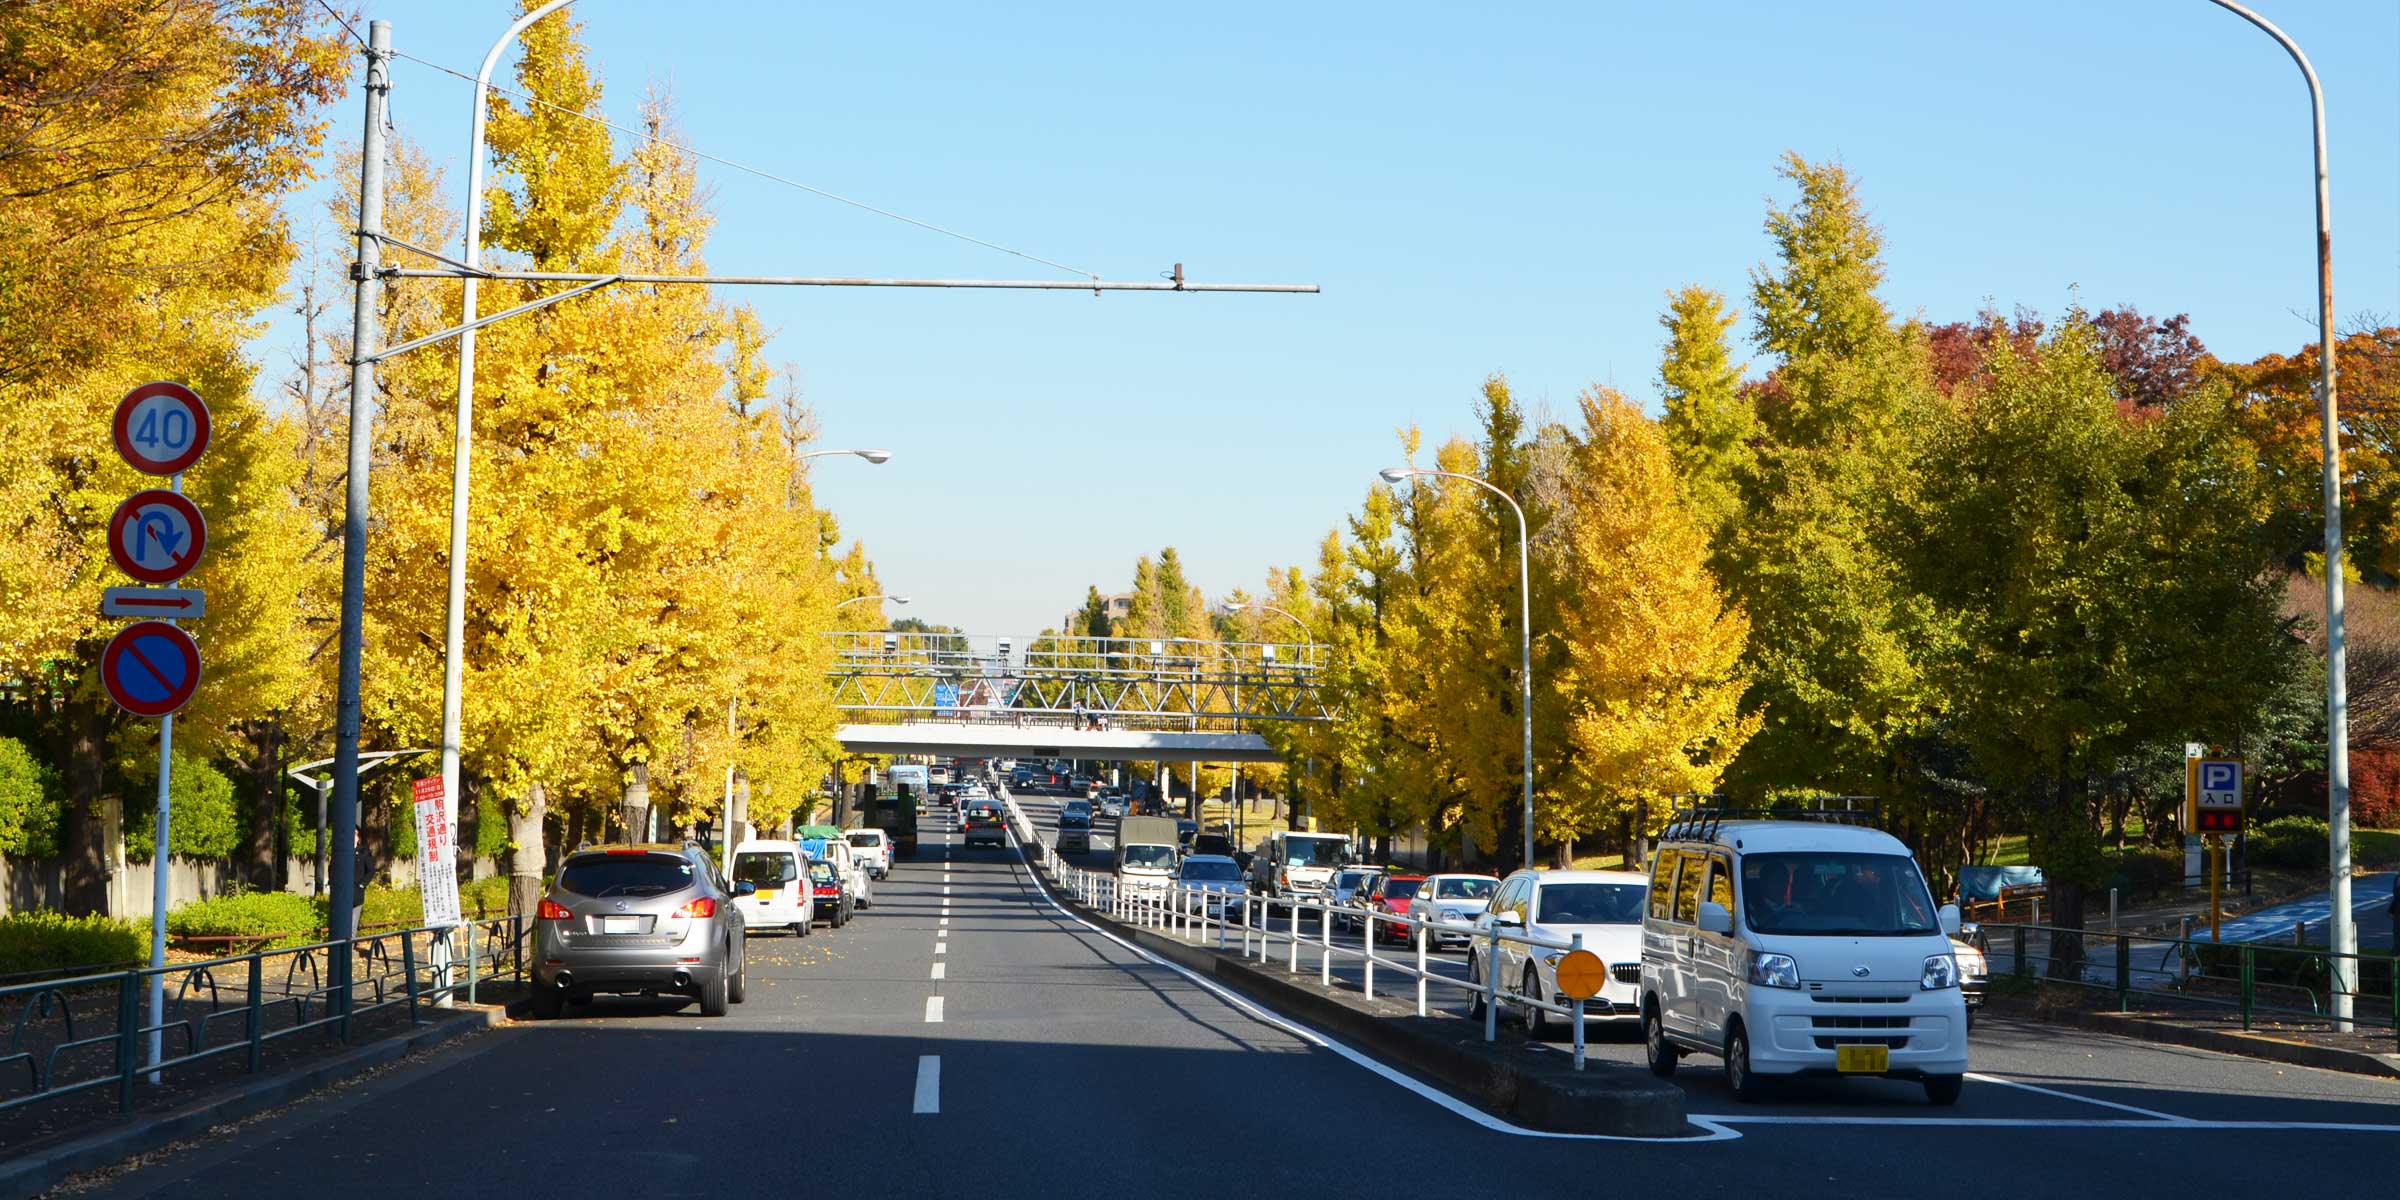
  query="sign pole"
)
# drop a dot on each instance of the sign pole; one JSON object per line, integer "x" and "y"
{"x": 158, "y": 875}
{"x": 2216, "y": 879}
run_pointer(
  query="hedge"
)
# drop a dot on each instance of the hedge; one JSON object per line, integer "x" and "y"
{"x": 49, "y": 941}
{"x": 207, "y": 819}
{"x": 31, "y": 802}
{"x": 284, "y": 918}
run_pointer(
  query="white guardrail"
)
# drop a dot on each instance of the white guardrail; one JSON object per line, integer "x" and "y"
{"x": 1185, "y": 913}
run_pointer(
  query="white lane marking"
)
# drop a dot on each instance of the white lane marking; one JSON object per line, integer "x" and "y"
{"x": 2147, "y": 1112}
{"x": 1716, "y": 1132}
{"x": 945, "y": 891}
{"x": 933, "y": 1010}
{"x": 939, "y": 969}
{"x": 945, "y": 920}
{"x": 929, "y": 1084}
{"x": 942, "y": 947}
{"x": 2177, "y": 1125}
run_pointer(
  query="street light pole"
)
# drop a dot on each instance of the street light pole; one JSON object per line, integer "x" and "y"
{"x": 2342, "y": 932}
{"x": 863, "y": 599}
{"x": 1524, "y": 621}
{"x": 878, "y": 457}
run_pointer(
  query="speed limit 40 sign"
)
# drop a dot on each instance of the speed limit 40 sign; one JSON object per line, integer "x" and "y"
{"x": 160, "y": 428}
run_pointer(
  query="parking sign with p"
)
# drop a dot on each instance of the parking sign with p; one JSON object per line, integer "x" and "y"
{"x": 2213, "y": 795}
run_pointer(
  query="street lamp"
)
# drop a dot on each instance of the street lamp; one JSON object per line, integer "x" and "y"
{"x": 2340, "y": 931}
{"x": 1394, "y": 475}
{"x": 863, "y": 599}
{"x": 1231, "y": 608}
{"x": 878, "y": 457}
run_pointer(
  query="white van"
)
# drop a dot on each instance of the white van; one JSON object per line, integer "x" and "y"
{"x": 1793, "y": 947}
{"x": 778, "y": 871}
{"x": 873, "y": 849}
{"x": 1297, "y": 863}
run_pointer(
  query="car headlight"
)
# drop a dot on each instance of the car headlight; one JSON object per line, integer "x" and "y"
{"x": 1775, "y": 971}
{"x": 1941, "y": 971}
{"x": 1971, "y": 963}
{"x": 1551, "y": 959}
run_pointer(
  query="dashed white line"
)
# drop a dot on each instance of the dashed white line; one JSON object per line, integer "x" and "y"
{"x": 933, "y": 1010}
{"x": 929, "y": 1084}
{"x": 945, "y": 891}
{"x": 945, "y": 920}
{"x": 939, "y": 969}
{"x": 941, "y": 947}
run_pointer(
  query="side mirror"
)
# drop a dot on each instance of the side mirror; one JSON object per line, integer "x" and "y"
{"x": 1715, "y": 918}
{"x": 1507, "y": 918}
{"x": 745, "y": 888}
{"x": 1950, "y": 920}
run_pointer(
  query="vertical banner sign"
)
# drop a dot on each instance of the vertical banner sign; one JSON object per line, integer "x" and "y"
{"x": 437, "y": 858}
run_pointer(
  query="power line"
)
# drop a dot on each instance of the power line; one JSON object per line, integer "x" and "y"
{"x": 646, "y": 135}
{"x": 342, "y": 21}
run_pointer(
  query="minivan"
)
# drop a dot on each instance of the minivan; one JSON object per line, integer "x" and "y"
{"x": 1799, "y": 947}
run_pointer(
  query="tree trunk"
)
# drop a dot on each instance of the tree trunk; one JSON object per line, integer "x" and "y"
{"x": 257, "y": 860}
{"x": 737, "y": 820}
{"x": 525, "y": 853}
{"x": 87, "y": 720}
{"x": 637, "y": 804}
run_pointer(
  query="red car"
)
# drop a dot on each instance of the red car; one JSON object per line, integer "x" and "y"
{"x": 1391, "y": 895}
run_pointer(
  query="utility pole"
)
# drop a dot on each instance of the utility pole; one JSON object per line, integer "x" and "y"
{"x": 342, "y": 918}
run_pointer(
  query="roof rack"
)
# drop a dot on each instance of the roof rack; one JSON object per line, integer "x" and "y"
{"x": 1699, "y": 822}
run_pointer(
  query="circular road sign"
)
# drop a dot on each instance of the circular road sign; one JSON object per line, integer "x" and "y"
{"x": 1581, "y": 974}
{"x": 150, "y": 668}
{"x": 156, "y": 536}
{"x": 160, "y": 428}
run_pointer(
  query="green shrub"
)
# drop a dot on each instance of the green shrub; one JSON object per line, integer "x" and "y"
{"x": 48, "y": 941}
{"x": 486, "y": 897}
{"x": 2149, "y": 870}
{"x": 287, "y": 918}
{"x": 2296, "y": 843}
{"x": 31, "y": 802}
{"x": 206, "y": 822}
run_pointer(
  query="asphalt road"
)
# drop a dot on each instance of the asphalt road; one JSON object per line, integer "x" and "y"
{"x": 965, "y": 1037}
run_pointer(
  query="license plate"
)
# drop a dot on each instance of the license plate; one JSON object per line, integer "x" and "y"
{"x": 1862, "y": 1060}
{"x": 764, "y": 894}
{"x": 620, "y": 924}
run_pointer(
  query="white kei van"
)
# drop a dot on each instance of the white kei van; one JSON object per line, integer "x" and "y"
{"x": 1799, "y": 947}
{"x": 783, "y": 898}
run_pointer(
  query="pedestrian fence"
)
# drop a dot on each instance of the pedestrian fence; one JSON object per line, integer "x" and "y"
{"x": 1300, "y": 932}
{"x": 2262, "y": 981}
{"x": 75, "y": 1035}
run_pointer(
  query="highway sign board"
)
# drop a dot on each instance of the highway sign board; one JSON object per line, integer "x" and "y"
{"x": 437, "y": 855}
{"x": 160, "y": 428}
{"x": 2213, "y": 794}
{"x": 178, "y": 603}
{"x": 945, "y": 695}
{"x": 156, "y": 536}
{"x": 150, "y": 668}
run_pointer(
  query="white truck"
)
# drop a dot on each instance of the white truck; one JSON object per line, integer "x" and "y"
{"x": 1297, "y": 865}
{"x": 1146, "y": 854}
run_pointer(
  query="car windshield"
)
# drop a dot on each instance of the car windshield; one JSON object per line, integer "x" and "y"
{"x": 1592, "y": 904}
{"x": 625, "y": 875}
{"x": 766, "y": 868}
{"x": 1149, "y": 856}
{"x": 823, "y": 873}
{"x": 1401, "y": 889}
{"x": 1212, "y": 872}
{"x": 1464, "y": 889}
{"x": 1836, "y": 895}
{"x": 1074, "y": 820}
{"x": 868, "y": 841}
{"x": 1315, "y": 851}
{"x": 1349, "y": 879}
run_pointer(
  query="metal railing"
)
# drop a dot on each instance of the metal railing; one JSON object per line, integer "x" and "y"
{"x": 235, "y": 1005}
{"x": 1200, "y": 916}
{"x": 2259, "y": 980}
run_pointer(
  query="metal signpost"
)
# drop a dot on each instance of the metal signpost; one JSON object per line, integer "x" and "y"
{"x": 2212, "y": 797}
{"x": 151, "y": 668}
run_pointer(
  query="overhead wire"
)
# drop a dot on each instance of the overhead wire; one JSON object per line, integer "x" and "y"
{"x": 745, "y": 168}
{"x": 344, "y": 22}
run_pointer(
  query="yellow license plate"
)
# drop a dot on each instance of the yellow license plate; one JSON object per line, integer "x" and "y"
{"x": 764, "y": 893}
{"x": 1862, "y": 1060}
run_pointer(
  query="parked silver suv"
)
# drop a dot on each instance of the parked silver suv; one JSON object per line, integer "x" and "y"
{"x": 639, "y": 920}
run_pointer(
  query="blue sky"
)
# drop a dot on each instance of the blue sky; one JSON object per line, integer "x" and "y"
{"x": 1477, "y": 191}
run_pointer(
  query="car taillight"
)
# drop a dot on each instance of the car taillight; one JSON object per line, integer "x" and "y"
{"x": 705, "y": 906}
{"x": 552, "y": 910}
{"x": 828, "y": 891}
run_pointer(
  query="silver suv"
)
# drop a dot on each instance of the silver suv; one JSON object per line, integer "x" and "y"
{"x": 639, "y": 920}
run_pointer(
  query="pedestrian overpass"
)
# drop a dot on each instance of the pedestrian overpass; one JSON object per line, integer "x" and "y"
{"x": 1166, "y": 700}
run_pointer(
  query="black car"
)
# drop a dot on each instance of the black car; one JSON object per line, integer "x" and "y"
{"x": 1074, "y": 831}
{"x": 834, "y": 902}
{"x": 1185, "y": 831}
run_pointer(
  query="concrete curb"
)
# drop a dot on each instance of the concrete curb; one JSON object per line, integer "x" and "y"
{"x": 44, "y": 1169}
{"x": 2229, "y": 1041}
{"x": 1537, "y": 1089}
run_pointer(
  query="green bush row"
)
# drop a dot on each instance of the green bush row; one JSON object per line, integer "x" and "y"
{"x": 48, "y": 941}
{"x": 2296, "y": 843}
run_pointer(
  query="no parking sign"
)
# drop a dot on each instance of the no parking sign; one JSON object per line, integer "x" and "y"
{"x": 150, "y": 668}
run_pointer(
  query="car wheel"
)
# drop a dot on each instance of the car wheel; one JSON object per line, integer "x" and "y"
{"x": 1475, "y": 986}
{"x": 713, "y": 996}
{"x": 1537, "y": 1018}
{"x": 1943, "y": 1090}
{"x": 1662, "y": 1054}
{"x": 1738, "y": 1075}
{"x": 800, "y": 928}
{"x": 547, "y": 1002}
{"x": 738, "y": 989}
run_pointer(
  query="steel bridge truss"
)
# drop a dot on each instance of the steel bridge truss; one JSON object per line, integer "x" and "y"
{"x": 1126, "y": 683}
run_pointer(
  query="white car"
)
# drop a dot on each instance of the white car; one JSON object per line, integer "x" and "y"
{"x": 873, "y": 849}
{"x": 854, "y": 872}
{"x": 1603, "y": 907}
{"x": 1794, "y": 947}
{"x": 778, "y": 871}
{"x": 1450, "y": 904}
